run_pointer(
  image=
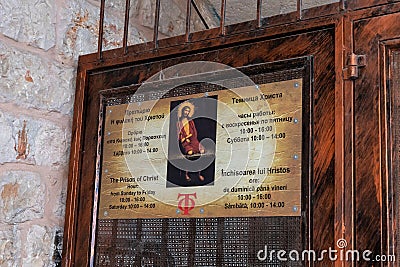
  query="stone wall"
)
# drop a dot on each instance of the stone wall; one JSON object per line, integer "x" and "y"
{"x": 40, "y": 42}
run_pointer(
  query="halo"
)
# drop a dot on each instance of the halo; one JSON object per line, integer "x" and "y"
{"x": 186, "y": 104}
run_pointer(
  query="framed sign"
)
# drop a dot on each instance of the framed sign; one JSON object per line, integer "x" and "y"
{"x": 220, "y": 152}
{"x": 210, "y": 150}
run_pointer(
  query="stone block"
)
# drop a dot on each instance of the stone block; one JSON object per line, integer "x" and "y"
{"x": 10, "y": 246}
{"x": 51, "y": 146}
{"x": 46, "y": 143}
{"x": 59, "y": 207}
{"x": 31, "y": 81}
{"x": 7, "y": 141}
{"x": 22, "y": 197}
{"x": 39, "y": 246}
{"x": 31, "y": 22}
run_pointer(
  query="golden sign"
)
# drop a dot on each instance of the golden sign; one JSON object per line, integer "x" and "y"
{"x": 227, "y": 153}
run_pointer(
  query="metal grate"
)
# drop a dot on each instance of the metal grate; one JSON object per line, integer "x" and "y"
{"x": 214, "y": 241}
{"x": 192, "y": 9}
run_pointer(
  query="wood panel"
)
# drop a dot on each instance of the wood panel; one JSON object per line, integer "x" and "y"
{"x": 392, "y": 108}
{"x": 349, "y": 194}
{"x": 371, "y": 190}
{"x": 319, "y": 44}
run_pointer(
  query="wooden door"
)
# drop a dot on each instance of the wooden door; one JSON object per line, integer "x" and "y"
{"x": 308, "y": 52}
{"x": 350, "y": 188}
{"x": 373, "y": 100}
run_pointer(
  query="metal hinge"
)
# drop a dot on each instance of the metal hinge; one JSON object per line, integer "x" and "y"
{"x": 354, "y": 63}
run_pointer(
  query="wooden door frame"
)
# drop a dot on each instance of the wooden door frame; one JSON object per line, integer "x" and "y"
{"x": 335, "y": 17}
{"x": 389, "y": 141}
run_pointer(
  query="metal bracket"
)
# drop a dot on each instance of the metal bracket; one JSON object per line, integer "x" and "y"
{"x": 354, "y": 63}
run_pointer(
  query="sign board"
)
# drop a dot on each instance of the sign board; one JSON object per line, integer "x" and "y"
{"x": 224, "y": 153}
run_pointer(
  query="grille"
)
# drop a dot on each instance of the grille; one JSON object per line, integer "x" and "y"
{"x": 196, "y": 242}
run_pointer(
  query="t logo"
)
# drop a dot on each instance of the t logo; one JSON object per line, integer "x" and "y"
{"x": 186, "y": 202}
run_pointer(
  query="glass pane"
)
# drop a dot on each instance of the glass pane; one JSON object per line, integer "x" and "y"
{"x": 172, "y": 18}
{"x": 113, "y": 24}
{"x": 143, "y": 32}
{"x": 240, "y": 11}
{"x": 114, "y": 21}
{"x": 313, "y": 3}
{"x": 277, "y": 7}
{"x": 206, "y": 14}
